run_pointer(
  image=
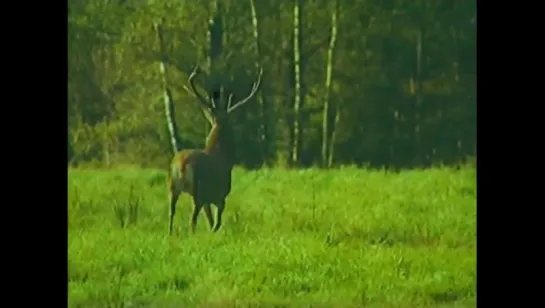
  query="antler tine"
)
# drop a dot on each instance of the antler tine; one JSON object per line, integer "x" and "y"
{"x": 252, "y": 93}
{"x": 201, "y": 98}
{"x": 229, "y": 100}
{"x": 213, "y": 99}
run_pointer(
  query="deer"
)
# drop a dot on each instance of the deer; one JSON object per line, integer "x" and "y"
{"x": 205, "y": 174}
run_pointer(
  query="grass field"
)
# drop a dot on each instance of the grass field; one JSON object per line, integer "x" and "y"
{"x": 342, "y": 238}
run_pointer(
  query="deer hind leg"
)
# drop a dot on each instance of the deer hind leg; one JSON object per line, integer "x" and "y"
{"x": 173, "y": 199}
{"x": 209, "y": 216}
{"x": 196, "y": 210}
{"x": 175, "y": 184}
{"x": 221, "y": 207}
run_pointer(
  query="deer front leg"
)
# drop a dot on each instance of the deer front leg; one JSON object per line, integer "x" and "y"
{"x": 208, "y": 213}
{"x": 196, "y": 210}
{"x": 220, "y": 207}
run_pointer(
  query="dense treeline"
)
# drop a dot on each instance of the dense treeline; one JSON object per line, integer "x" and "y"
{"x": 366, "y": 82}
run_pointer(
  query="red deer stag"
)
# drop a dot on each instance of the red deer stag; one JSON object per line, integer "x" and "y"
{"x": 205, "y": 174}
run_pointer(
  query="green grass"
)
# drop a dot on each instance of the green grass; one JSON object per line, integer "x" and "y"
{"x": 343, "y": 238}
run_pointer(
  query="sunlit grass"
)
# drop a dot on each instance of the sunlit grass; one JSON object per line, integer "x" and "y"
{"x": 341, "y": 238}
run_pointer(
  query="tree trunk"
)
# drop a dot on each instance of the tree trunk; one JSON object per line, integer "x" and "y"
{"x": 298, "y": 95}
{"x": 262, "y": 97}
{"x": 215, "y": 39}
{"x": 167, "y": 95}
{"x": 337, "y": 117}
{"x": 106, "y": 149}
{"x": 326, "y": 121}
{"x": 285, "y": 110}
{"x": 418, "y": 100}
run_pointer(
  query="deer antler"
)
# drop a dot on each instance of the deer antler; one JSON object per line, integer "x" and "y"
{"x": 208, "y": 104}
{"x": 252, "y": 93}
{"x": 229, "y": 100}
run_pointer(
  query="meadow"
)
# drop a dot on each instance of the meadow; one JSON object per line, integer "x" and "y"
{"x": 302, "y": 238}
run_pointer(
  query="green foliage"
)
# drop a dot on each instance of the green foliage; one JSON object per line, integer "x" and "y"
{"x": 346, "y": 238}
{"x": 389, "y": 113}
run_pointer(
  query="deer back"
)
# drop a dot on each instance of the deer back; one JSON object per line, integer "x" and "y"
{"x": 201, "y": 175}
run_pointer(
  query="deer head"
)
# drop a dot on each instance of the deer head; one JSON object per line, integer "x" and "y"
{"x": 220, "y": 140}
{"x": 214, "y": 112}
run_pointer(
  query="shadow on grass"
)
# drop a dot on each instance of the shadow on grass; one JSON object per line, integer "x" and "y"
{"x": 381, "y": 237}
{"x": 176, "y": 283}
{"x": 447, "y": 297}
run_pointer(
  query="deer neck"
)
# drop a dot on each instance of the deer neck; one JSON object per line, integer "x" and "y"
{"x": 220, "y": 143}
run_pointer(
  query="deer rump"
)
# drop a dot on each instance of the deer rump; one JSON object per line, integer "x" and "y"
{"x": 205, "y": 177}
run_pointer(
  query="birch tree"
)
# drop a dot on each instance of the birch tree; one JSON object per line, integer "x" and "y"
{"x": 262, "y": 97}
{"x": 327, "y": 146}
